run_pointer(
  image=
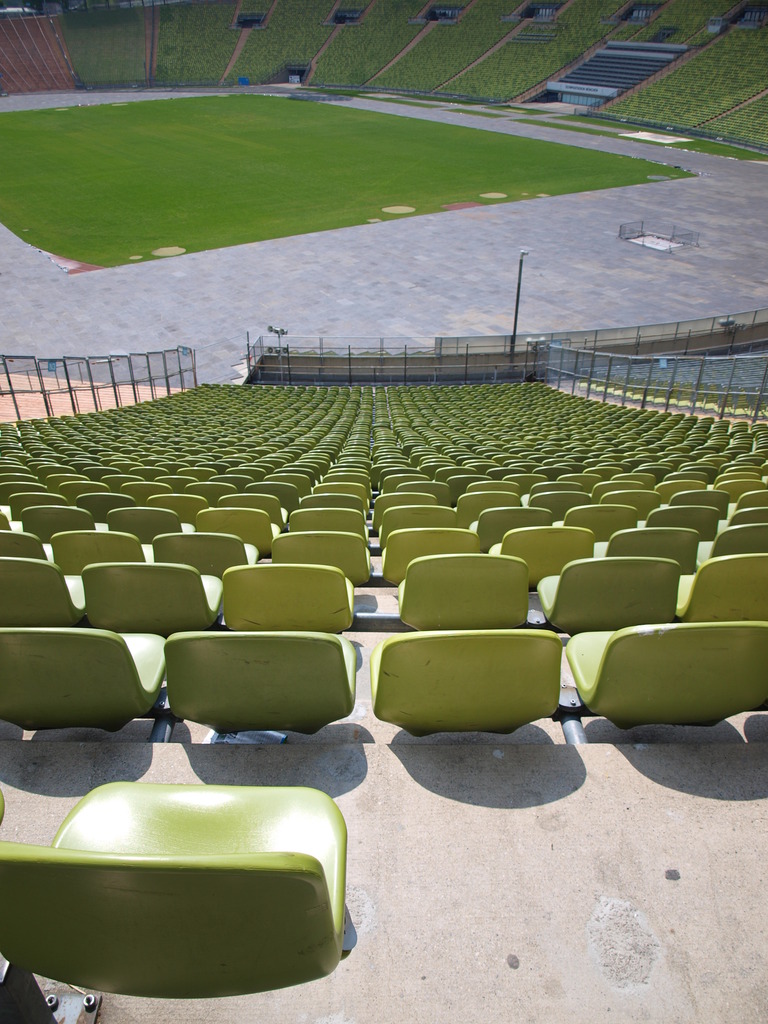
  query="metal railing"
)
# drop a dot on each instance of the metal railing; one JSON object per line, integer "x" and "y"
{"x": 31, "y": 387}
{"x": 732, "y": 386}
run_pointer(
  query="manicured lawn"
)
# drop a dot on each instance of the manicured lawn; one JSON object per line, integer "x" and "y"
{"x": 103, "y": 184}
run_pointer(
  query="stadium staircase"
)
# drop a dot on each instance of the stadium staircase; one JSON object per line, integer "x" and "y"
{"x": 623, "y": 66}
{"x": 31, "y": 56}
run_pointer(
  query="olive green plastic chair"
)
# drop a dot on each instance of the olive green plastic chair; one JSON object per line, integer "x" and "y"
{"x": 505, "y": 486}
{"x": 717, "y": 499}
{"x": 159, "y": 597}
{"x": 343, "y": 487}
{"x": 286, "y": 493}
{"x": 397, "y": 500}
{"x": 546, "y": 549}
{"x": 142, "y": 490}
{"x": 4, "y": 523}
{"x": 251, "y": 525}
{"x": 8, "y": 488}
{"x": 145, "y": 523}
{"x": 298, "y": 681}
{"x": 405, "y": 545}
{"x": 26, "y": 499}
{"x": 345, "y": 520}
{"x": 464, "y": 592}
{"x": 266, "y": 502}
{"x": 679, "y": 674}
{"x": 736, "y": 486}
{"x": 610, "y": 593}
{"x": 100, "y": 504}
{"x": 602, "y": 520}
{"x": 296, "y": 597}
{"x": 752, "y": 499}
{"x": 439, "y": 490}
{"x": 725, "y": 589}
{"x": 472, "y": 503}
{"x": 641, "y": 500}
{"x": 746, "y": 516}
{"x": 334, "y": 501}
{"x": 186, "y": 506}
{"x": 19, "y": 544}
{"x": 676, "y": 542}
{"x": 666, "y": 488}
{"x": 493, "y": 523}
{"x": 411, "y": 517}
{"x": 210, "y": 553}
{"x": 73, "y": 550}
{"x": 45, "y": 520}
{"x": 558, "y": 502}
{"x": 466, "y": 680}
{"x": 65, "y": 678}
{"x": 35, "y": 592}
{"x": 736, "y": 540}
{"x": 704, "y": 519}
{"x": 389, "y": 480}
{"x": 71, "y": 490}
{"x": 157, "y": 872}
{"x": 347, "y": 551}
{"x": 300, "y": 481}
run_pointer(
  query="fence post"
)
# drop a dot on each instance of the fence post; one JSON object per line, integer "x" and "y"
{"x": 247, "y": 351}
{"x": 349, "y": 363}
{"x": 114, "y": 382}
{"x": 466, "y": 362}
{"x": 760, "y": 392}
{"x": 72, "y": 400}
{"x": 697, "y": 385}
{"x": 405, "y": 364}
{"x": 93, "y": 386}
{"x": 10, "y": 389}
{"x": 626, "y": 380}
{"x": 288, "y": 361}
{"x": 607, "y": 376}
{"x": 648, "y": 382}
{"x": 560, "y": 368}
{"x": 670, "y": 386}
{"x": 133, "y": 379}
{"x": 591, "y": 368}
{"x": 46, "y": 400}
{"x": 165, "y": 372}
{"x": 728, "y": 390}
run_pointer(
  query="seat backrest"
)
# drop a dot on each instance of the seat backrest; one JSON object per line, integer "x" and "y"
{"x": 507, "y": 486}
{"x": 602, "y": 520}
{"x": 147, "y": 597}
{"x": 186, "y": 506}
{"x": 251, "y": 525}
{"x": 399, "y": 498}
{"x": 74, "y": 549}
{"x": 348, "y": 551}
{"x": 26, "y": 499}
{"x": 752, "y": 499}
{"x": 141, "y": 490}
{"x": 10, "y": 487}
{"x": 717, "y": 499}
{"x": 99, "y": 504}
{"x": 18, "y": 544}
{"x": 186, "y": 855}
{"x": 405, "y": 545}
{"x": 666, "y": 488}
{"x": 681, "y": 673}
{"x": 464, "y": 591}
{"x": 143, "y": 521}
{"x": 286, "y": 493}
{"x": 546, "y": 549}
{"x": 466, "y": 680}
{"x": 62, "y": 678}
{"x": 305, "y": 680}
{"x": 737, "y": 540}
{"x": 341, "y": 487}
{"x": 211, "y": 491}
{"x": 744, "y": 516}
{"x": 346, "y": 520}
{"x": 72, "y": 489}
{"x": 45, "y": 520}
{"x": 300, "y": 481}
{"x": 702, "y": 518}
{"x": 266, "y": 502}
{"x": 729, "y": 588}
{"x": 610, "y": 593}
{"x": 270, "y": 597}
{"x": 642, "y": 500}
{"x": 406, "y": 517}
{"x": 437, "y": 488}
{"x": 493, "y": 523}
{"x": 33, "y": 592}
{"x": 679, "y": 543}
{"x": 471, "y": 504}
{"x": 210, "y": 553}
{"x": 736, "y": 486}
{"x": 558, "y": 502}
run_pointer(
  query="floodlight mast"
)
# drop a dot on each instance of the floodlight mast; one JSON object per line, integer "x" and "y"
{"x": 279, "y": 331}
{"x": 523, "y": 254}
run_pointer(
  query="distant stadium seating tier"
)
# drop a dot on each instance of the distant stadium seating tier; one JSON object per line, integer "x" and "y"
{"x": 717, "y": 87}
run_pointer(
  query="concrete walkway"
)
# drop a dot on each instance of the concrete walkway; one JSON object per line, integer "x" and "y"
{"x": 452, "y": 273}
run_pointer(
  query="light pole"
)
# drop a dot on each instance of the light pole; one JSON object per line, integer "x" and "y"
{"x": 523, "y": 254}
{"x": 280, "y": 332}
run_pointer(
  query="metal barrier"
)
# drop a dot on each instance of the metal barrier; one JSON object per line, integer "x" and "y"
{"x": 33, "y": 388}
{"x": 733, "y": 386}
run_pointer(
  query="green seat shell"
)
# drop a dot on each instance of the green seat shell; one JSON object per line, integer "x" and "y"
{"x": 405, "y": 545}
{"x": 64, "y": 678}
{"x": 678, "y": 674}
{"x": 19, "y": 544}
{"x": 286, "y": 493}
{"x": 602, "y": 520}
{"x": 210, "y": 553}
{"x": 546, "y": 549}
{"x": 298, "y": 681}
{"x": 266, "y": 502}
{"x": 610, "y": 593}
{"x": 35, "y": 592}
{"x": 464, "y": 591}
{"x": 410, "y": 517}
{"x": 144, "y": 522}
{"x": 345, "y": 520}
{"x": 397, "y": 500}
{"x": 726, "y": 589}
{"x": 268, "y": 597}
{"x": 439, "y": 490}
{"x": 703, "y": 518}
{"x": 100, "y": 504}
{"x": 74, "y": 549}
{"x": 472, "y": 503}
{"x": 677, "y": 542}
{"x": 347, "y": 551}
{"x": 334, "y": 500}
{"x": 558, "y": 502}
{"x": 751, "y": 538}
{"x": 22, "y": 500}
{"x": 186, "y": 506}
{"x": 493, "y": 523}
{"x": 251, "y": 525}
{"x": 150, "y": 597}
{"x": 156, "y": 871}
{"x": 642, "y": 500}
{"x": 466, "y": 680}
{"x": 717, "y": 499}
{"x": 46, "y": 520}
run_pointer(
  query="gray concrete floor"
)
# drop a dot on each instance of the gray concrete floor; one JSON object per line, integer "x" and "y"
{"x": 451, "y": 274}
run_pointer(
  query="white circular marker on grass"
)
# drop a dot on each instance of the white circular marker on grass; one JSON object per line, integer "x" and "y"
{"x": 398, "y": 209}
{"x": 135, "y": 257}
{"x": 169, "y": 250}
{"x": 493, "y": 195}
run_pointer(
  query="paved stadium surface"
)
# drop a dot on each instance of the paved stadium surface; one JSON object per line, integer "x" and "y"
{"x": 447, "y": 274}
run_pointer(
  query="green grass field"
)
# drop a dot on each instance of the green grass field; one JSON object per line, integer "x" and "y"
{"x": 103, "y": 184}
